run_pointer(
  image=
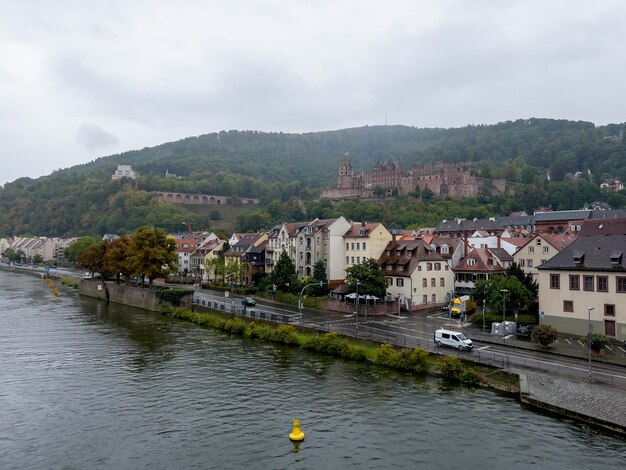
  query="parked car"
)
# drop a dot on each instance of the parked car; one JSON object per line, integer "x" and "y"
{"x": 248, "y": 302}
{"x": 524, "y": 331}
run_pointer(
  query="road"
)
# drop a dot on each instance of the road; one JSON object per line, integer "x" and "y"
{"x": 417, "y": 330}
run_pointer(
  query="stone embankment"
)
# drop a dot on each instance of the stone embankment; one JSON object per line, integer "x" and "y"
{"x": 596, "y": 405}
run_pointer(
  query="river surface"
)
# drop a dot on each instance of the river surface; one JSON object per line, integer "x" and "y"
{"x": 84, "y": 385}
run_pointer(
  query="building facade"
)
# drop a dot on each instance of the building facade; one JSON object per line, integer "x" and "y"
{"x": 584, "y": 286}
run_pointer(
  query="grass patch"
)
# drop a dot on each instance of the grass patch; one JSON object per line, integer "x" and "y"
{"x": 70, "y": 282}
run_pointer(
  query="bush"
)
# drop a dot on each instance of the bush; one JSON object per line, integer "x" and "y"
{"x": 469, "y": 377}
{"x": 411, "y": 360}
{"x": 172, "y": 295}
{"x": 235, "y": 326}
{"x": 598, "y": 341}
{"x": 414, "y": 360}
{"x": 259, "y": 331}
{"x": 544, "y": 335}
{"x": 356, "y": 353}
{"x": 328, "y": 343}
{"x": 285, "y": 334}
{"x": 450, "y": 367}
{"x": 386, "y": 355}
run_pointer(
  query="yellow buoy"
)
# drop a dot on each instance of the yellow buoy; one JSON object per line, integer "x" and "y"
{"x": 56, "y": 291}
{"x": 296, "y": 434}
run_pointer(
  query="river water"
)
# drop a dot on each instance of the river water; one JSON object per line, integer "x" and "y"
{"x": 90, "y": 386}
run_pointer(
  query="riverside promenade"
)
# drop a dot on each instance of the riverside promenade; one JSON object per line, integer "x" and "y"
{"x": 596, "y": 405}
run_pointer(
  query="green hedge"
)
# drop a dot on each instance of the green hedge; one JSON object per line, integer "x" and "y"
{"x": 415, "y": 360}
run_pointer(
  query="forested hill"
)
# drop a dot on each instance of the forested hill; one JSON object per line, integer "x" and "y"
{"x": 313, "y": 157}
{"x": 277, "y": 167}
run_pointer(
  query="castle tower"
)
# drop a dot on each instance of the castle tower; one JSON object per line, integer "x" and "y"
{"x": 345, "y": 174}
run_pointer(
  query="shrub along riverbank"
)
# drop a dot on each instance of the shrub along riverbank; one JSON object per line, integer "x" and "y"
{"x": 416, "y": 361}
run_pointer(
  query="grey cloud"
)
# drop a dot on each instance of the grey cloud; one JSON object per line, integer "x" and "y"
{"x": 94, "y": 137}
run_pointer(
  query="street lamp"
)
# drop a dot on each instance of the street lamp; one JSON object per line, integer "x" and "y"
{"x": 356, "y": 310}
{"x": 484, "y": 302}
{"x": 589, "y": 309}
{"x": 300, "y": 303}
{"x": 503, "y": 292}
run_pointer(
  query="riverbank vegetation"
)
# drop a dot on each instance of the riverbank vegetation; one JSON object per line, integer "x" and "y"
{"x": 416, "y": 361}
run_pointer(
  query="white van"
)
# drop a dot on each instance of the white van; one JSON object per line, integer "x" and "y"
{"x": 454, "y": 339}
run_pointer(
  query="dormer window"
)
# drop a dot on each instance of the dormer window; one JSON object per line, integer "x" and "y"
{"x": 471, "y": 262}
{"x": 361, "y": 231}
{"x": 616, "y": 257}
{"x": 579, "y": 257}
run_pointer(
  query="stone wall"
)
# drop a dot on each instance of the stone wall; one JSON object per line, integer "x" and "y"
{"x": 139, "y": 297}
{"x": 386, "y": 308}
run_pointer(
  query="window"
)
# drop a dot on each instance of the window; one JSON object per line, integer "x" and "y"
{"x": 347, "y": 260}
{"x": 609, "y": 327}
{"x": 574, "y": 282}
{"x": 364, "y": 246}
{"x": 568, "y": 305}
{"x": 555, "y": 281}
{"x": 620, "y": 284}
{"x": 444, "y": 250}
{"x": 609, "y": 310}
{"x": 352, "y": 259}
{"x": 419, "y": 267}
{"x": 603, "y": 283}
{"x": 352, "y": 245}
{"x": 529, "y": 263}
{"x": 437, "y": 266}
{"x": 531, "y": 250}
{"x": 400, "y": 282}
{"x": 546, "y": 250}
{"x": 433, "y": 298}
{"x": 442, "y": 282}
{"x": 347, "y": 246}
{"x": 543, "y": 261}
{"x": 433, "y": 282}
{"x": 390, "y": 281}
{"x": 424, "y": 282}
{"x": 358, "y": 259}
{"x": 588, "y": 283}
{"x": 471, "y": 262}
{"x": 429, "y": 266}
{"x": 424, "y": 299}
{"x": 522, "y": 263}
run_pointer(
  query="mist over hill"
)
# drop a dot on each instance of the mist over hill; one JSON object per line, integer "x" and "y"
{"x": 281, "y": 169}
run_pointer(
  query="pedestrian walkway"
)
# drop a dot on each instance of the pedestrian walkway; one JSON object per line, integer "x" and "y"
{"x": 593, "y": 404}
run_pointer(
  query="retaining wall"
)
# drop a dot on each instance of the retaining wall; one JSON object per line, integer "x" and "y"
{"x": 140, "y": 297}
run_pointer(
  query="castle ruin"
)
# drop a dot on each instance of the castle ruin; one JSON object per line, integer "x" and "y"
{"x": 443, "y": 179}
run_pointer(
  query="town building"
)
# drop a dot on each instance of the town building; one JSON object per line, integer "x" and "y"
{"x": 237, "y": 258}
{"x": 365, "y": 240}
{"x": 124, "y": 171}
{"x": 538, "y": 249}
{"x": 581, "y": 287}
{"x": 480, "y": 265}
{"x": 417, "y": 275}
{"x": 322, "y": 240}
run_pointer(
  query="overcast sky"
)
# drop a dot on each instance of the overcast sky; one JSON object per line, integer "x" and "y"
{"x": 84, "y": 79}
